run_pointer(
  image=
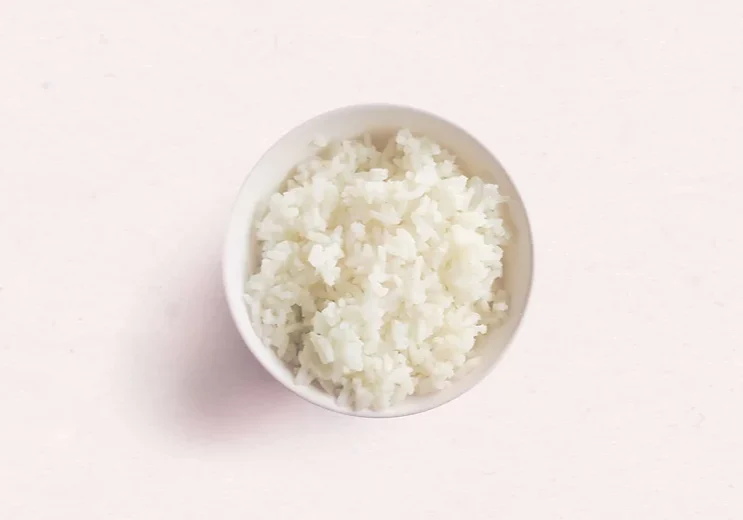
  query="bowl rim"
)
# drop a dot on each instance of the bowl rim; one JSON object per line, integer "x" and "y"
{"x": 240, "y": 317}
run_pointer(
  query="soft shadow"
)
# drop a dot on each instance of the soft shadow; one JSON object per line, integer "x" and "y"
{"x": 207, "y": 384}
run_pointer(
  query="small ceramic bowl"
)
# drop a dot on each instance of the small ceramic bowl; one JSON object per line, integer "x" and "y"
{"x": 241, "y": 252}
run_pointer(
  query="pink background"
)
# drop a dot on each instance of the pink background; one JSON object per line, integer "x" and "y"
{"x": 126, "y": 128}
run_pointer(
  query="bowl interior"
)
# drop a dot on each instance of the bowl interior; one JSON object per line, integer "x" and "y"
{"x": 242, "y": 252}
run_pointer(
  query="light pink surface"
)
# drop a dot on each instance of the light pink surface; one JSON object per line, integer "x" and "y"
{"x": 126, "y": 128}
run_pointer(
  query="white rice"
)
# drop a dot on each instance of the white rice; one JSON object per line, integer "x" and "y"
{"x": 379, "y": 269}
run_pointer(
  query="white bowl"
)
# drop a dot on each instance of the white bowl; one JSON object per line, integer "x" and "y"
{"x": 241, "y": 252}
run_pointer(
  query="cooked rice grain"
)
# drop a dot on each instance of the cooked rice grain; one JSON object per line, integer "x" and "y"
{"x": 379, "y": 269}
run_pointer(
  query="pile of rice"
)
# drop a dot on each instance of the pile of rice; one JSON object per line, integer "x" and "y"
{"x": 379, "y": 269}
